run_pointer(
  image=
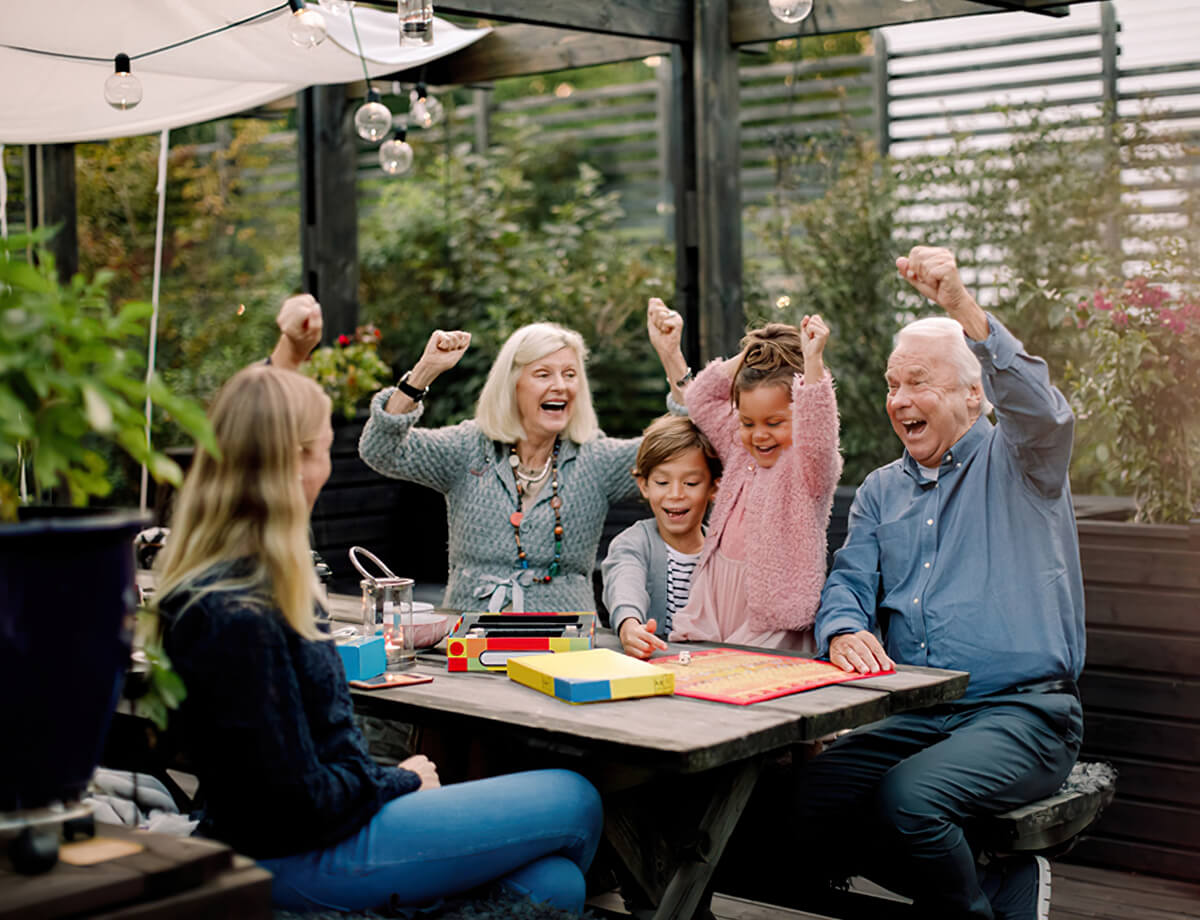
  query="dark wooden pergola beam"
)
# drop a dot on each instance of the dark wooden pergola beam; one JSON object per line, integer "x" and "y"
{"x": 751, "y": 20}
{"x": 521, "y": 50}
{"x": 656, "y": 20}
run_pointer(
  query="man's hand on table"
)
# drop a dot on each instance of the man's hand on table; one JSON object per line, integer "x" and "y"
{"x": 424, "y": 768}
{"x": 859, "y": 651}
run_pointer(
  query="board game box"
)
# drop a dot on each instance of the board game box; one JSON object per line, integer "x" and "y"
{"x": 729, "y": 675}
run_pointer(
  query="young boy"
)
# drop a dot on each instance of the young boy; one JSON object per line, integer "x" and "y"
{"x": 648, "y": 569}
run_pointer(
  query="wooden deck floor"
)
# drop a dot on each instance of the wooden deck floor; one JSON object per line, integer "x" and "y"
{"x": 1077, "y": 892}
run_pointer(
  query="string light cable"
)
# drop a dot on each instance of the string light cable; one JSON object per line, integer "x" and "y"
{"x": 306, "y": 28}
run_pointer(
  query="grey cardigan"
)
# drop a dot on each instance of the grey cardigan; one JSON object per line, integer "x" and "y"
{"x": 635, "y": 576}
{"x": 474, "y": 475}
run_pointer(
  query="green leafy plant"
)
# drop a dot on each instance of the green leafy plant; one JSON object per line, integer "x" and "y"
{"x": 350, "y": 369}
{"x": 479, "y": 243}
{"x": 837, "y": 254}
{"x": 1142, "y": 374}
{"x": 72, "y": 380}
{"x": 159, "y": 688}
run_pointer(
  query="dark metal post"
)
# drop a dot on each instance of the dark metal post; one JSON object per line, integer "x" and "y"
{"x": 1109, "y": 77}
{"x": 483, "y": 119}
{"x": 883, "y": 126}
{"x": 50, "y": 200}
{"x": 681, "y": 179}
{"x": 328, "y": 205}
{"x": 718, "y": 180}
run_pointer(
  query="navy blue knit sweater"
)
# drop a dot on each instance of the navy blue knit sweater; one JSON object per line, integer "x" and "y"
{"x": 268, "y": 725}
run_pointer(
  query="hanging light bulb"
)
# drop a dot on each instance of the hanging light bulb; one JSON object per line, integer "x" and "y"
{"x": 416, "y": 22}
{"x": 122, "y": 90}
{"x": 791, "y": 10}
{"x": 373, "y": 119}
{"x": 337, "y": 7}
{"x": 306, "y": 27}
{"x": 424, "y": 110}
{"x": 395, "y": 154}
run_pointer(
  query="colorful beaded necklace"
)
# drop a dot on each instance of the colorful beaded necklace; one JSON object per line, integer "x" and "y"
{"x": 555, "y": 502}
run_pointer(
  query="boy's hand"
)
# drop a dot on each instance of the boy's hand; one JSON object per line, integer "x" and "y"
{"x": 638, "y": 640}
{"x": 664, "y": 326}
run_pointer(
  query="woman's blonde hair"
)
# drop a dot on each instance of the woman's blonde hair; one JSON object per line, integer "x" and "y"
{"x": 249, "y": 504}
{"x": 496, "y": 413}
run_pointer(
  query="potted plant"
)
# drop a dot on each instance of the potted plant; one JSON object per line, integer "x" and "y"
{"x": 350, "y": 370}
{"x": 1140, "y": 386}
{"x": 72, "y": 385}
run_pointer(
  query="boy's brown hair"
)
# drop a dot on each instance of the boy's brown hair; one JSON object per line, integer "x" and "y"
{"x": 666, "y": 438}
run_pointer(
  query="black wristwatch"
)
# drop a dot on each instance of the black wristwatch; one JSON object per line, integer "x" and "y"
{"x": 409, "y": 390}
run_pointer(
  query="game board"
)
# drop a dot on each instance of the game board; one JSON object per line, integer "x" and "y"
{"x": 729, "y": 675}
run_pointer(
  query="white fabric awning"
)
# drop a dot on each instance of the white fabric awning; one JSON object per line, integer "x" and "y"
{"x": 55, "y": 100}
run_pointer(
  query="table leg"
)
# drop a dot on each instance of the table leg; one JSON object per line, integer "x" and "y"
{"x": 674, "y": 873}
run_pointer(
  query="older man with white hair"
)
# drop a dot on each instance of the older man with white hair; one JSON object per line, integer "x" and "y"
{"x": 961, "y": 554}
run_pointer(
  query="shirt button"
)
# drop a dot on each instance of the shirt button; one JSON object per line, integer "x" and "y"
{"x": 926, "y": 565}
{"x": 957, "y": 465}
{"x": 930, "y": 522}
{"x": 916, "y": 600}
{"x": 922, "y": 645}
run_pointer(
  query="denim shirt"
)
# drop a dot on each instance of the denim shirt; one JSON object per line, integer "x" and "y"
{"x": 979, "y": 569}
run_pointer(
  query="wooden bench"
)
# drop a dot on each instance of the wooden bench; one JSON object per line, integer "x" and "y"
{"x": 1048, "y": 827}
{"x": 1051, "y": 825}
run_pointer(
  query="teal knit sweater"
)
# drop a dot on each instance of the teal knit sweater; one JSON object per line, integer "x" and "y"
{"x": 474, "y": 475}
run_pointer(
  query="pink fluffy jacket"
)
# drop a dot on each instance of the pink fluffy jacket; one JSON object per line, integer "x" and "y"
{"x": 787, "y": 505}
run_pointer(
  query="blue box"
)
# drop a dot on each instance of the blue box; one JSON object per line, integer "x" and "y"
{"x": 363, "y": 658}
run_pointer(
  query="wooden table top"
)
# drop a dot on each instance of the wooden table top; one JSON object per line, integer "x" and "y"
{"x": 674, "y": 733}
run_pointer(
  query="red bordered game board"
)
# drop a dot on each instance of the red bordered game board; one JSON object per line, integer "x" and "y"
{"x": 729, "y": 675}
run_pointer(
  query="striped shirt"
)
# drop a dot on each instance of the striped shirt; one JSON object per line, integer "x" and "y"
{"x": 680, "y": 567}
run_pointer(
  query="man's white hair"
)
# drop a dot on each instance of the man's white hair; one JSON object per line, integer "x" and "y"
{"x": 944, "y": 330}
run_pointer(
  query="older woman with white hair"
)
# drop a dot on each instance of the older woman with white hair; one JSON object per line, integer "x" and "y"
{"x": 528, "y": 482}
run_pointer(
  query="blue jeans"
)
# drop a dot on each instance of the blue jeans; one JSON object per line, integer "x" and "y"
{"x": 535, "y": 833}
{"x": 889, "y": 800}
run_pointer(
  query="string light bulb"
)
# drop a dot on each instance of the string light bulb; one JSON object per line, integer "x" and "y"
{"x": 791, "y": 11}
{"x": 424, "y": 110}
{"x": 122, "y": 90}
{"x": 337, "y": 7}
{"x": 306, "y": 27}
{"x": 373, "y": 119}
{"x": 396, "y": 154}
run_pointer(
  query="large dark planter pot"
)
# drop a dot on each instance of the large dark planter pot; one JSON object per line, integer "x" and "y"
{"x": 66, "y": 592}
{"x": 1141, "y": 693}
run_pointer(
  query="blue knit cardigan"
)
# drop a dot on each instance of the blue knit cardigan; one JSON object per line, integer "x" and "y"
{"x": 474, "y": 475}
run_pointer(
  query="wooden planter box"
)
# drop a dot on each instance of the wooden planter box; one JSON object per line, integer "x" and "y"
{"x": 1141, "y": 693}
{"x": 401, "y": 523}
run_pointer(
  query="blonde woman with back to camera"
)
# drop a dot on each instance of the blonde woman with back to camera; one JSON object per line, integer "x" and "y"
{"x": 268, "y": 720}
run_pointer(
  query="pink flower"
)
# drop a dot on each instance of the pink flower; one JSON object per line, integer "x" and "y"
{"x": 1101, "y": 302}
{"x": 1120, "y": 318}
{"x": 1173, "y": 320}
{"x": 343, "y": 339}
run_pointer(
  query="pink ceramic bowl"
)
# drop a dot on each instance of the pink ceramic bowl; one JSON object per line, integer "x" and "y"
{"x": 429, "y": 627}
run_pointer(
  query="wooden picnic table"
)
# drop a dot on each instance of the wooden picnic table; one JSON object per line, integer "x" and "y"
{"x": 675, "y": 773}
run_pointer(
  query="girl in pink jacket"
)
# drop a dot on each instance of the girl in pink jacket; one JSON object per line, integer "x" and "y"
{"x": 775, "y": 428}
